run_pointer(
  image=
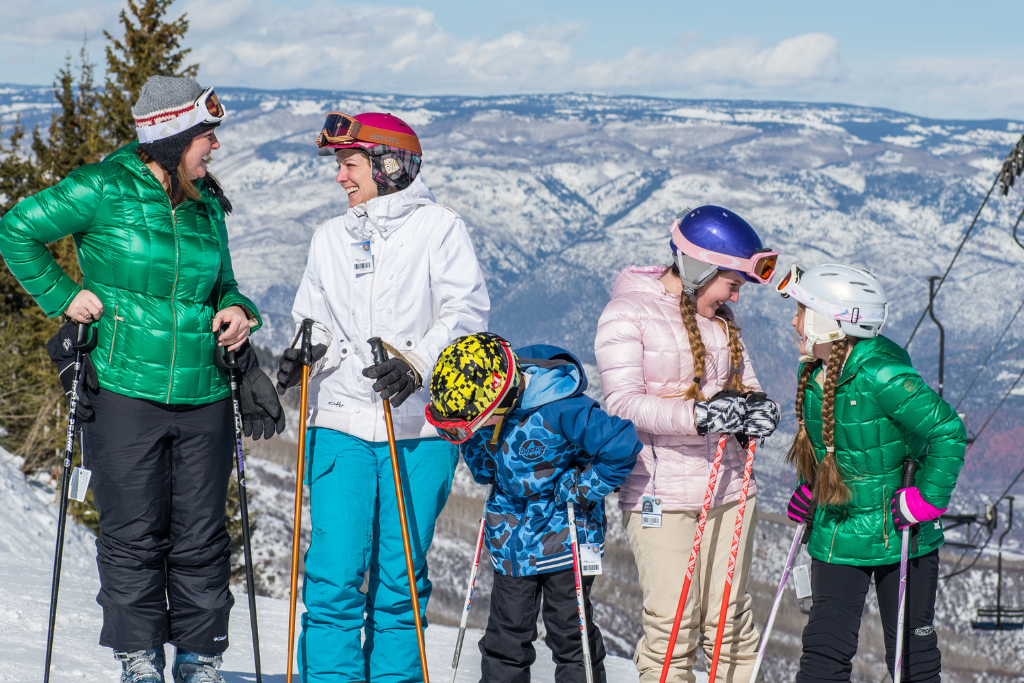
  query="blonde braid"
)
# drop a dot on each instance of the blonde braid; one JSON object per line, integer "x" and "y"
{"x": 830, "y": 487}
{"x": 697, "y": 349}
{"x": 801, "y": 451}
{"x": 735, "y": 349}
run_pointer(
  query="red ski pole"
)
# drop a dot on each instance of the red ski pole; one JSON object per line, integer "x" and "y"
{"x": 692, "y": 565}
{"x": 737, "y": 531}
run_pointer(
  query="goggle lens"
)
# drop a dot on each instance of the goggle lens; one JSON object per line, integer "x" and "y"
{"x": 792, "y": 276}
{"x": 765, "y": 268}
{"x": 338, "y": 128}
{"x": 213, "y": 105}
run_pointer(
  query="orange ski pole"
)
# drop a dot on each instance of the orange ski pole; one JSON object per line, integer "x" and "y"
{"x": 737, "y": 531}
{"x": 692, "y": 564}
{"x": 379, "y": 356}
{"x": 306, "y": 358}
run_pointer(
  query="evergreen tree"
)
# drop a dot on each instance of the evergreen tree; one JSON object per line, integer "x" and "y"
{"x": 151, "y": 47}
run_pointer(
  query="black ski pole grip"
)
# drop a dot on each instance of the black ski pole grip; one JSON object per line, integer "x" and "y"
{"x": 909, "y": 472}
{"x": 85, "y": 340}
{"x": 230, "y": 359}
{"x": 306, "y": 352}
{"x": 380, "y": 354}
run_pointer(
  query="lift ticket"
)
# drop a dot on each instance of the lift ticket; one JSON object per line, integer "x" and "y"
{"x": 802, "y": 581}
{"x": 79, "y": 484}
{"x": 362, "y": 258}
{"x": 590, "y": 559}
{"x": 650, "y": 512}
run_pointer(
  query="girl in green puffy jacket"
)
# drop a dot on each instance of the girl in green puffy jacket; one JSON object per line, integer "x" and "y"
{"x": 158, "y": 289}
{"x": 863, "y": 411}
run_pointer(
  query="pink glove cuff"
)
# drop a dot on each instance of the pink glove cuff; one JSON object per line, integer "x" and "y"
{"x": 916, "y": 509}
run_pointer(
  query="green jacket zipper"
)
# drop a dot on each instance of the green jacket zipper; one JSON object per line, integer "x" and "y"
{"x": 174, "y": 294}
{"x": 113, "y": 335}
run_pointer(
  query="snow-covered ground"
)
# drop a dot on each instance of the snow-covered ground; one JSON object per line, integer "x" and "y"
{"x": 28, "y": 527}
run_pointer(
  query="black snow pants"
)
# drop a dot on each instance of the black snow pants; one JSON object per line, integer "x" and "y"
{"x": 159, "y": 479}
{"x": 507, "y": 644}
{"x": 830, "y": 637}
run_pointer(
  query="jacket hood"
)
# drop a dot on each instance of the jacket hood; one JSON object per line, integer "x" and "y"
{"x": 875, "y": 348}
{"x": 642, "y": 279}
{"x": 126, "y": 157}
{"x": 555, "y": 374}
{"x": 389, "y": 212}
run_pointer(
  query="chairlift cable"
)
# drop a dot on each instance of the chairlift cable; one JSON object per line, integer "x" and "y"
{"x": 955, "y": 255}
{"x": 993, "y": 414}
{"x": 994, "y": 347}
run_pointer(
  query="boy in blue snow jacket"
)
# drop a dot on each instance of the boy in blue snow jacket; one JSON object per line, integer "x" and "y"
{"x": 525, "y": 426}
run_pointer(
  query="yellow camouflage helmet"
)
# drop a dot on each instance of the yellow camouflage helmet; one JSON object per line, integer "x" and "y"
{"x": 471, "y": 381}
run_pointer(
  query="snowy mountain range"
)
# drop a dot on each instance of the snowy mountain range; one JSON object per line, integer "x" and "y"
{"x": 560, "y": 192}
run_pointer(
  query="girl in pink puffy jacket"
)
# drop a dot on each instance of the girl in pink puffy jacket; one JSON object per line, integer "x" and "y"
{"x": 665, "y": 343}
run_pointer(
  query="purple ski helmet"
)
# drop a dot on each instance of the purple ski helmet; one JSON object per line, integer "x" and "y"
{"x": 709, "y": 238}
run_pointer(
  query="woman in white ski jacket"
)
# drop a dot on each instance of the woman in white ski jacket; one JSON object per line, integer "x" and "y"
{"x": 658, "y": 322}
{"x": 400, "y": 267}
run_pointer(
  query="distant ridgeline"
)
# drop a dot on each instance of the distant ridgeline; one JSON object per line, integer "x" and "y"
{"x": 560, "y": 192}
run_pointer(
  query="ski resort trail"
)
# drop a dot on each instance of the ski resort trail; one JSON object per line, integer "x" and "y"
{"x": 28, "y": 526}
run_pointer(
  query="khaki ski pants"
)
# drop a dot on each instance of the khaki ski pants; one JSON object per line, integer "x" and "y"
{"x": 661, "y": 557}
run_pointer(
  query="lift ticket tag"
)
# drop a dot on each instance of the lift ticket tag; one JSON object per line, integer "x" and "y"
{"x": 590, "y": 559}
{"x": 79, "y": 484}
{"x": 650, "y": 512}
{"x": 362, "y": 258}
{"x": 802, "y": 581}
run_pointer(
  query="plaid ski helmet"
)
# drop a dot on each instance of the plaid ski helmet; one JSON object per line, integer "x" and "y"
{"x": 475, "y": 377}
{"x": 392, "y": 145}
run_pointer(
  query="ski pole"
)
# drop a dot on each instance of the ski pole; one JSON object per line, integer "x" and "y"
{"x": 472, "y": 582}
{"x": 231, "y": 362}
{"x": 574, "y": 541}
{"x": 379, "y": 356}
{"x": 909, "y": 470}
{"x": 778, "y": 599}
{"x": 733, "y": 552}
{"x": 709, "y": 494}
{"x": 84, "y": 343}
{"x": 306, "y": 358}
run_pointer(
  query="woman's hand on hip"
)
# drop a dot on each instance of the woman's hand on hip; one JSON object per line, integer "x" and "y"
{"x": 85, "y": 307}
{"x": 238, "y": 327}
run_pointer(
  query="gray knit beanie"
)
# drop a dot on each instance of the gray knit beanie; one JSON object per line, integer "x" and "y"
{"x": 163, "y": 98}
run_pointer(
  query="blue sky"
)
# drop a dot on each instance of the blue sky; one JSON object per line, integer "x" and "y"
{"x": 940, "y": 59}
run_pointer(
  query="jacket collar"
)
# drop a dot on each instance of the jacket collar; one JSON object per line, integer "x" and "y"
{"x": 128, "y": 159}
{"x": 385, "y": 215}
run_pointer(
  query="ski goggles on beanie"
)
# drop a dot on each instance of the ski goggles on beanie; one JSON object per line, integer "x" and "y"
{"x": 475, "y": 377}
{"x": 207, "y": 108}
{"x": 759, "y": 268}
{"x": 341, "y": 131}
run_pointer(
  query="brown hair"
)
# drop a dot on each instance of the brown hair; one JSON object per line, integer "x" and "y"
{"x": 826, "y": 478}
{"x": 699, "y": 353}
{"x": 187, "y": 187}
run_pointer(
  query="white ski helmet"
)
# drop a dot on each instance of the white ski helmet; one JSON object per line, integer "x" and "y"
{"x": 841, "y": 301}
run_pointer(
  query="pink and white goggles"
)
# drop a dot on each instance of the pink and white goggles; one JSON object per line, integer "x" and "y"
{"x": 760, "y": 267}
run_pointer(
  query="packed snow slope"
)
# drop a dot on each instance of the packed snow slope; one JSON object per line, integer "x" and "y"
{"x": 560, "y": 192}
{"x": 28, "y": 527}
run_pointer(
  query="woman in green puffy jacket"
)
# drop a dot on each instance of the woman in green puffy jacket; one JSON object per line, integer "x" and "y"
{"x": 863, "y": 411}
{"x": 148, "y": 224}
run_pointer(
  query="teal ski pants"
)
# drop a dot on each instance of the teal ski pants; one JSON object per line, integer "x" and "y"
{"x": 348, "y": 635}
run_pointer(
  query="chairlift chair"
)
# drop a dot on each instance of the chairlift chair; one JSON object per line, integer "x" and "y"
{"x": 1000, "y": 618}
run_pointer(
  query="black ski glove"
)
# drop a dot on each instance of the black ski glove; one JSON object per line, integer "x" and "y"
{"x": 396, "y": 380}
{"x": 60, "y": 350}
{"x": 289, "y": 370}
{"x": 762, "y": 415}
{"x": 723, "y": 414}
{"x": 262, "y": 414}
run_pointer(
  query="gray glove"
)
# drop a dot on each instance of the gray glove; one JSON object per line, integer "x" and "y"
{"x": 762, "y": 416}
{"x": 723, "y": 414}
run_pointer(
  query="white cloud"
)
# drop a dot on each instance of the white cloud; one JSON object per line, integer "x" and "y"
{"x": 329, "y": 45}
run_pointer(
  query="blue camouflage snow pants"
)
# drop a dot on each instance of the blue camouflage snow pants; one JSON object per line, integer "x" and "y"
{"x": 356, "y": 529}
